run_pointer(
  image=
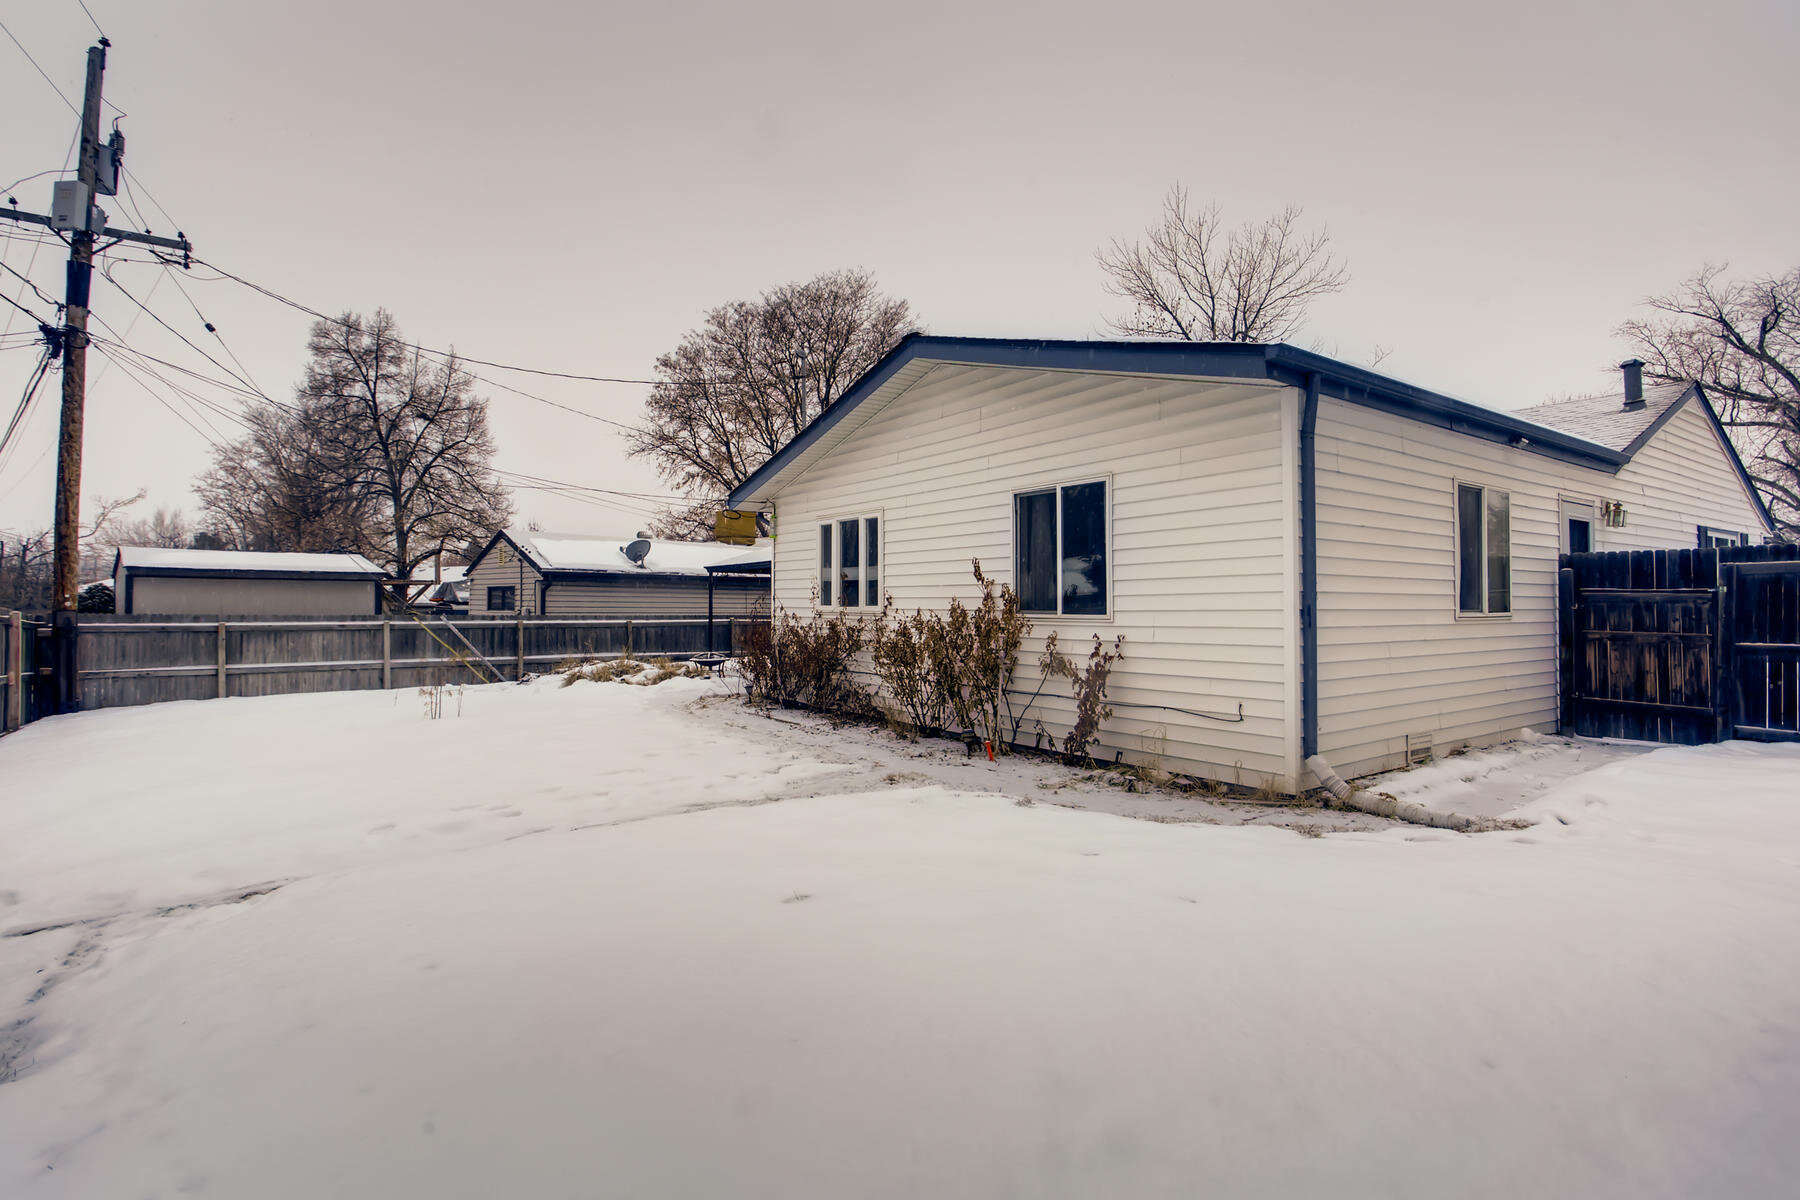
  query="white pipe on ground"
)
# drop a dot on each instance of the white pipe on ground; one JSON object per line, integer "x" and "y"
{"x": 1381, "y": 804}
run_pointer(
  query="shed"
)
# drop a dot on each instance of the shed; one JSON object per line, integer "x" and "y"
{"x": 589, "y": 575}
{"x": 1304, "y": 556}
{"x": 244, "y": 583}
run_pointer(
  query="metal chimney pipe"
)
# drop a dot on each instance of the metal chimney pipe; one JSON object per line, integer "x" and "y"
{"x": 1634, "y": 383}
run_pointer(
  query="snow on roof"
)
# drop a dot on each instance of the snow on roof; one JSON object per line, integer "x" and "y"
{"x": 1604, "y": 420}
{"x": 589, "y": 552}
{"x": 255, "y": 561}
{"x": 425, "y": 571}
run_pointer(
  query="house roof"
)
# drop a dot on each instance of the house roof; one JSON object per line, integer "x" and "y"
{"x": 1277, "y": 363}
{"x": 155, "y": 560}
{"x": 593, "y": 554}
{"x": 1593, "y": 442}
{"x": 1605, "y": 421}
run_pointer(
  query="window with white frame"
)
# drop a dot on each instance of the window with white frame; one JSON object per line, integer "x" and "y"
{"x": 1712, "y": 538}
{"x": 850, "y": 563}
{"x": 1059, "y": 549}
{"x": 1483, "y": 551}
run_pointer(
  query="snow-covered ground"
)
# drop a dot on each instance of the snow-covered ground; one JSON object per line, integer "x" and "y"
{"x": 614, "y": 940}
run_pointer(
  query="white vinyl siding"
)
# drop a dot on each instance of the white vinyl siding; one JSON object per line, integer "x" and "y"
{"x": 664, "y": 597}
{"x": 1394, "y": 657}
{"x": 1201, "y": 558}
{"x": 514, "y": 573}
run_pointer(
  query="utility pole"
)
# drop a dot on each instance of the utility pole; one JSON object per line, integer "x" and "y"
{"x": 97, "y": 173}
{"x": 74, "y": 379}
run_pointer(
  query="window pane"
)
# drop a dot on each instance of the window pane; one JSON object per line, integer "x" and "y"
{"x": 1084, "y": 549}
{"x": 1034, "y": 556}
{"x": 1468, "y": 546}
{"x": 1499, "y": 553}
{"x": 1581, "y": 536}
{"x": 872, "y": 548}
{"x": 824, "y": 564}
{"x": 849, "y": 562}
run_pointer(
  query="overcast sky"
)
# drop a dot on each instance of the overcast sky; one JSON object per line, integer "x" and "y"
{"x": 571, "y": 185}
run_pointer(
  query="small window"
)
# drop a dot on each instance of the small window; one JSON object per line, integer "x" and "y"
{"x": 1059, "y": 550}
{"x": 1712, "y": 539}
{"x": 502, "y": 599}
{"x": 872, "y": 560}
{"x": 850, "y": 562}
{"x": 1483, "y": 550}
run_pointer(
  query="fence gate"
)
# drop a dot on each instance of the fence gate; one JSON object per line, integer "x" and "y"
{"x": 27, "y": 684}
{"x": 1681, "y": 646}
{"x": 1762, "y": 636}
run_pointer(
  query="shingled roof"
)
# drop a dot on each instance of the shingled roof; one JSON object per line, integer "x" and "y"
{"x": 1604, "y": 420}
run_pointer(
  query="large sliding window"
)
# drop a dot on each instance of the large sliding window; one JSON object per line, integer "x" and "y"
{"x": 1483, "y": 551}
{"x": 1059, "y": 549}
{"x": 850, "y": 563}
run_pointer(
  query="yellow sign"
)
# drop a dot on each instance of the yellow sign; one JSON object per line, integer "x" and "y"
{"x": 736, "y": 528}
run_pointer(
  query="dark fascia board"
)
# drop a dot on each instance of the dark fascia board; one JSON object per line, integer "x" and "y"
{"x": 745, "y": 568}
{"x": 1277, "y": 362}
{"x": 609, "y": 575}
{"x": 216, "y": 573}
{"x": 499, "y": 537}
{"x": 1697, "y": 392}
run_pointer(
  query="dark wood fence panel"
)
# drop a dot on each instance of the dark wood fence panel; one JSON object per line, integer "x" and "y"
{"x": 1763, "y": 634}
{"x": 1680, "y": 646}
{"x": 136, "y": 660}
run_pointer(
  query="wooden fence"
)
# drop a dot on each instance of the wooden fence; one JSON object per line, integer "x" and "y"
{"x": 1681, "y": 646}
{"x": 26, "y": 686}
{"x": 129, "y": 660}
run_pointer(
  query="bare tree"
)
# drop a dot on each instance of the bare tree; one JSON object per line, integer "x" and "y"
{"x": 266, "y": 491}
{"x": 27, "y": 567}
{"x": 752, "y": 377}
{"x": 168, "y": 528}
{"x": 1740, "y": 339}
{"x": 384, "y": 451}
{"x": 1183, "y": 283}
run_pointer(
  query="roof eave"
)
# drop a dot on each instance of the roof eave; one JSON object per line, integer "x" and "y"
{"x": 1279, "y": 363}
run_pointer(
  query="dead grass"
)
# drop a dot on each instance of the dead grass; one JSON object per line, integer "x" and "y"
{"x": 629, "y": 670}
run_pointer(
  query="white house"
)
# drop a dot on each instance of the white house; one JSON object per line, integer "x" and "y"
{"x": 1304, "y": 556}
{"x": 244, "y": 583}
{"x": 587, "y": 575}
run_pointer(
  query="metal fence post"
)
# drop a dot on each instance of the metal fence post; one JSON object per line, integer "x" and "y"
{"x": 387, "y": 654}
{"x": 520, "y": 630}
{"x": 224, "y": 688}
{"x": 628, "y": 638}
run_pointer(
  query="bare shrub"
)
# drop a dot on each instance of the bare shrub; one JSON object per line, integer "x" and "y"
{"x": 902, "y": 649}
{"x": 1088, "y": 684}
{"x": 805, "y": 662}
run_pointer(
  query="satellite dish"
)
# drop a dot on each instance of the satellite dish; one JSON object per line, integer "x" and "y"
{"x": 637, "y": 550}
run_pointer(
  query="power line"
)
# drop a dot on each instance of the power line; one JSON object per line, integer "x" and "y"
{"x": 480, "y": 362}
{"x": 28, "y": 178}
{"x": 24, "y": 407}
{"x": 34, "y": 287}
{"x": 132, "y": 177}
{"x": 152, "y": 394}
{"x": 90, "y": 17}
{"x": 21, "y": 307}
{"x": 203, "y": 354}
{"x": 40, "y": 70}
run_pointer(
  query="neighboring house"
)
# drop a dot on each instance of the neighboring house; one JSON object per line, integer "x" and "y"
{"x": 244, "y": 583}
{"x": 1304, "y": 556}
{"x": 570, "y": 575}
